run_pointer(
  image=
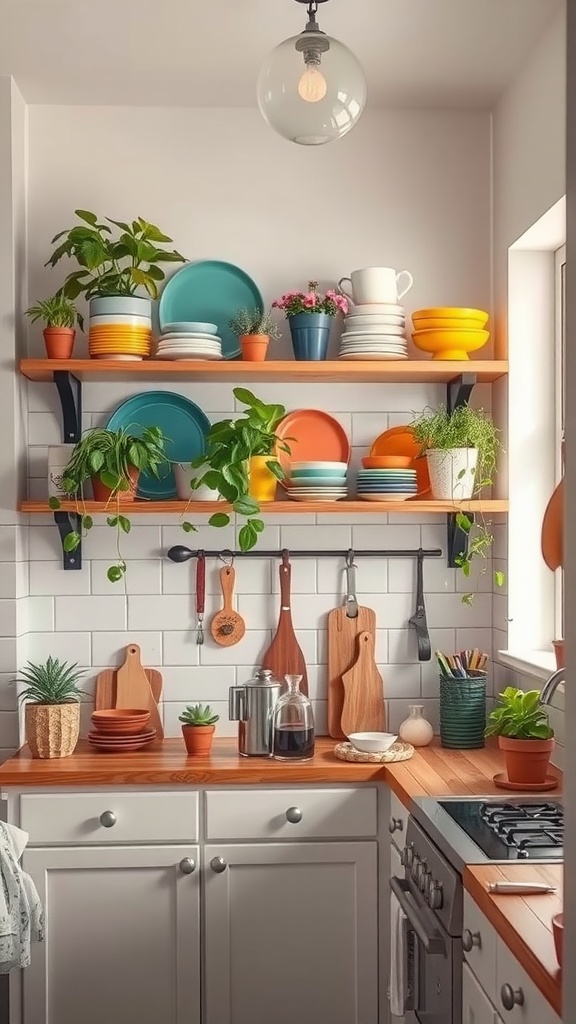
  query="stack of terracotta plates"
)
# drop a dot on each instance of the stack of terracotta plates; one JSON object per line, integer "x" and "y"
{"x": 120, "y": 730}
{"x": 120, "y": 336}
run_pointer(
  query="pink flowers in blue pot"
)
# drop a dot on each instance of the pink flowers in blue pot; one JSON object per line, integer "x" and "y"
{"x": 310, "y": 315}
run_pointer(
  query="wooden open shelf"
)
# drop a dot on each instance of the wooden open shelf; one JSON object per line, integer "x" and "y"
{"x": 273, "y": 507}
{"x": 417, "y": 371}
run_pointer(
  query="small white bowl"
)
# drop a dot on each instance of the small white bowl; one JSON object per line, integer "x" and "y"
{"x": 372, "y": 742}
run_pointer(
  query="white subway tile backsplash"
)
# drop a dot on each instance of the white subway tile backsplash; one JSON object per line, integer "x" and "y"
{"x": 365, "y": 428}
{"x": 8, "y": 692}
{"x": 48, "y": 577}
{"x": 337, "y": 537}
{"x": 97, "y": 614}
{"x": 44, "y": 428}
{"x": 8, "y": 580}
{"x": 438, "y": 579}
{"x": 142, "y": 542}
{"x": 386, "y": 536}
{"x": 35, "y": 613}
{"x": 174, "y": 611}
{"x": 144, "y": 576}
{"x": 398, "y": 710}
{"x": 66, "y": 646}
{"x": 8, "y": 617}
{"x": 8, "y": 728}
{"x": 208, "y": 537}
{"x": 249, "y": 651}
{"x": 448, "y": 610}
{"x": 303, "y": 577}
{"x": 371, "y": 576}
{"x": 401, "y": 680}
{"x": 194, "y": 683}
{"x": 108, "y": 648}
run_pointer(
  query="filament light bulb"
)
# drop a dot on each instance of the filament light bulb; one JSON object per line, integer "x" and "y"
{"x": 312, "y": 86}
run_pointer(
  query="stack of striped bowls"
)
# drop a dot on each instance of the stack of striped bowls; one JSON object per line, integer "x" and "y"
{"x": 120, "y": 328}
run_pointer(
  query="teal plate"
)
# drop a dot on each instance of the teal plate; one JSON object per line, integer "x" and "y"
{"x": 179, "y": 419}
{"x": 211, "y": 291}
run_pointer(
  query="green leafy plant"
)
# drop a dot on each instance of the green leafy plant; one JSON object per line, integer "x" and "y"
{"x": 111, "y": 456}
{"x": 113, "y": 263}
{"x": 520, "y": 716}
{"x": 54, "y": 682}
{"x": 58, "y": 311}
{"x": 198, "y": 714}
{"x": 230, "y": 445}
{"x": 464, "y": 427}
{"x": 254, "y": 321}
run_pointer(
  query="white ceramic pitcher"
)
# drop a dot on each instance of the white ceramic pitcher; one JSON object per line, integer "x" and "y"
{"x": 375, "y": 285}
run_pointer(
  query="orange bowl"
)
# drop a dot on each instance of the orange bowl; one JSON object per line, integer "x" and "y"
{"x": 387, "y": 462}
{"x": 120, "y": 721}
{"x": 558, "y": 931}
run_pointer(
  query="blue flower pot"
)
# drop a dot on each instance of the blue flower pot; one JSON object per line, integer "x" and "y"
{"x": 310, "y": 335}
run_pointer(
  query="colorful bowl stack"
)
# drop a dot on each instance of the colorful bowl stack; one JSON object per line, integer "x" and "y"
{"x": 120, "y": 328}
{"x": 388, "y": 478}
{"x": 120, "y": 730}
{"x": 317, "y": 481}
{"x": 450, "y": 332}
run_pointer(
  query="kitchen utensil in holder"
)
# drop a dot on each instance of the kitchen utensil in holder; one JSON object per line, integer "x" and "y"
{"x": 463, "y": 711}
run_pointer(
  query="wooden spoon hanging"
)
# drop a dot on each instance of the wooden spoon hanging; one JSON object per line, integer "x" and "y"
{"x": 227, "y": 626}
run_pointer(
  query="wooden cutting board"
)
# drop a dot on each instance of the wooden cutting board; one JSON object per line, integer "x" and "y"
{"x": 342, "y": 653}
{"x": 284, "y": 656}
{"x": 363, "y": 691}
{"x": 105, "y": 692}
{"x": 133, "y": 689}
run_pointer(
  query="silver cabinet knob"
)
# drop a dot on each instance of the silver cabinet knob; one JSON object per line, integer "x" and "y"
{"x": 407, "y": 856}
{"x": 470, "y": 939}
{"x": 511, "y": 997}
{"x": 395, "y": 825}
{"x": 218, "y": 864}
{"x": 107, "y": 819}
{"x": 187, "y": 866}
{"x": 436, "y": 896}
{"x": 293, "y": 815}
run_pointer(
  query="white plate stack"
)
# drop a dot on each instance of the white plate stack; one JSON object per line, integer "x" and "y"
{"x": 374, "y": 332}
{"x": 189, "y": 341}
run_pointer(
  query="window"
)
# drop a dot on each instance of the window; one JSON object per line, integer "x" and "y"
{"x": 560, "y": 407}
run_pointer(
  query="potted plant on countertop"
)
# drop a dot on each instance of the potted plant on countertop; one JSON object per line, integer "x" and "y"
{"x": 198, "y": 726}
{"x": 524, "y": 735}
{"x": 59, "y": 315}
{"x": 113, "y": 461}
{"x": 255, "y": 329}
{"x": 242, "y": 467}
{"x": 310, "y": 317}
{"x": 461, "y": 448}
{"x": 52, "y": 713}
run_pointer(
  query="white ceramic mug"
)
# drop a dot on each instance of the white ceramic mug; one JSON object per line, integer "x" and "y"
{"x": 375, "y": 285}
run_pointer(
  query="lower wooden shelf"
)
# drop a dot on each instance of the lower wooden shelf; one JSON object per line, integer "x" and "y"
{"x": 273, "y": 507}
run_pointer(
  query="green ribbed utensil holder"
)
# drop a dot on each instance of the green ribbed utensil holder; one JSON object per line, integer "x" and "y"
{"x": 463, "y": 712}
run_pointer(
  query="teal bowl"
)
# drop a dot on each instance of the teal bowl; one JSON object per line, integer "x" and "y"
{"x": 318, "y": 474}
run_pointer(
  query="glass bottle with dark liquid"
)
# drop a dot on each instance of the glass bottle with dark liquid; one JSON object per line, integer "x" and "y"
{"x": 293, "y": 724}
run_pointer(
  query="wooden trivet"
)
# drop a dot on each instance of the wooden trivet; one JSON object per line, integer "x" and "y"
{"x": 397, "y": 752}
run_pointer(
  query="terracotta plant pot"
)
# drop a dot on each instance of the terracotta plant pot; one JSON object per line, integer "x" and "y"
{"x": 558, "y": 646}
{"x": 263, "y": 483}
{"x": 254, "y": 347}
{"x": 103, "y": 493}
{"x": 526, "y": 760}
{"x": 59, "y": 342}
{"x": 52, "y": 729}
{"x": 198, "y": 739}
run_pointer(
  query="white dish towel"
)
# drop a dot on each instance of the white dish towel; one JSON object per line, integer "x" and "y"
{"x": 397, "y": 958}
{"x": 21, "y": 916}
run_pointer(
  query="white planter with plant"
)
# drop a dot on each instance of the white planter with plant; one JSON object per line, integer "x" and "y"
{"x": 255, "y": 330}
{"x": 52, "y": 712}
{"x": 452, "y": 473}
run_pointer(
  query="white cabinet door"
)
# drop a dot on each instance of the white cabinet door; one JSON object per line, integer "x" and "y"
{"x": 122, "y": 936}
{"x": 291, "y": 933}
{"x": 516, "y": 988}
{"x": 476, "y": 1007}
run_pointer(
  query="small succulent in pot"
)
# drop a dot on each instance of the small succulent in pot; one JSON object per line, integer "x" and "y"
{"x": 52, "y": 713}
{"x": 524, "y": 734}
{"x": 255, "y": 329}
{"x": 60, "y": 316}
{"x": 198, "y": 726}
{"x": 113, "y": 461}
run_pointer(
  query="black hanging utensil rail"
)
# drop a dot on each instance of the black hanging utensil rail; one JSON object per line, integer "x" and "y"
{"x": 180, "y": 553}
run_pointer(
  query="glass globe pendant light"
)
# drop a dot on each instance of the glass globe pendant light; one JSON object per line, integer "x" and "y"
{"x": 311, "y": 89}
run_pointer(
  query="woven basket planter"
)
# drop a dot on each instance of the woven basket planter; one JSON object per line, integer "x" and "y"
{"x": 463, "y": 712}
{"x": 52, "y": 729}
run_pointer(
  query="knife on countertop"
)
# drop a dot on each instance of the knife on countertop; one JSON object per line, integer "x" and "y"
{"x": 520, "y": 888}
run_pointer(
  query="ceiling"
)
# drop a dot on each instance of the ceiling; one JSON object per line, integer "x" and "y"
{"x": 416, "y": 53}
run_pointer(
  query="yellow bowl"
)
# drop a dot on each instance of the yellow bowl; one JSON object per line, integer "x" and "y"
{"x": 118, "y": 332}
{"x": 450, "y": 344}
{"x": 441, "y": 323}
{"x": 479, "y": 316}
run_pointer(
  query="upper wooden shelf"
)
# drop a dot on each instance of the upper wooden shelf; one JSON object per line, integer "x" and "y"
{"x": 290, "y": 507}
{"x": 402, "y": 371}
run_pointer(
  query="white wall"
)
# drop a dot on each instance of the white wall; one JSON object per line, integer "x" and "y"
{"x": 405, "y": 189}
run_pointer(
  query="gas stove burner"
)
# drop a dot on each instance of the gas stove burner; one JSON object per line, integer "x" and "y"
{"x": 502, "y": 814}
{"x": 511, "y": 830}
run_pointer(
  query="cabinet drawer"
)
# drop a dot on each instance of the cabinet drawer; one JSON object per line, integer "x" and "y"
{"x": 110, "y": 817}
{"x": 476, "y": 1007}
{"x": 534, "y": 1007}
{"x": 482, "y": 956}
{"x": 291, "y": 814}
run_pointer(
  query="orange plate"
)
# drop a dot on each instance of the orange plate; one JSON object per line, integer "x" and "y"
{"x": 317, "y": 437}
{"x": 401, "y": 441}
{"x": 387, "y": 462}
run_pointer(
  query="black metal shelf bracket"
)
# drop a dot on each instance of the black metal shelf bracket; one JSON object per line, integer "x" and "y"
{"x": 70, "y": 394}
{"x": 69, "y": 522}
{"x": 458, "y": 391}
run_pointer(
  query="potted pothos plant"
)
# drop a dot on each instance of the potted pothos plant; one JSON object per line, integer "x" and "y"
{"x": 60, "y": 316}
{"x": 52, "y": 712}
{"x": 113, "y": 461}
{"x": 255, "y": 330}
{"x": 241, "y": 463}
{"x": 198, "y": 726}
{"x": 117, "y": 259}
{"x": 461, "y": 448}
{"x": 520, "y": 721}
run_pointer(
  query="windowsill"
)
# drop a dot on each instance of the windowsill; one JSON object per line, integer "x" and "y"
{"x": 539, "y": 664}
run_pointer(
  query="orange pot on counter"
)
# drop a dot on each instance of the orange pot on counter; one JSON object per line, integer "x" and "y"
{"x": 198, "y": 739}
{"x": 526, "y": 760}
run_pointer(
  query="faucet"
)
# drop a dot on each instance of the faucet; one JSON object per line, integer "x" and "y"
{"x": 551, "y": 685}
